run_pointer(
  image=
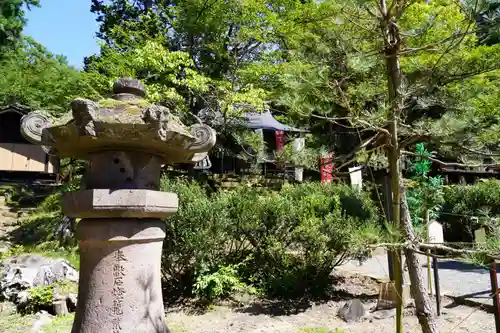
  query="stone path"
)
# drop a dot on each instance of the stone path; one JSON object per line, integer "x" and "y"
{"x": 457, "y": 279}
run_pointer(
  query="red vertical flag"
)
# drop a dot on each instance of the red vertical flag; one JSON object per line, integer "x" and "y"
{"x": 280, "y": 140}
{"x": 326, "y": 168}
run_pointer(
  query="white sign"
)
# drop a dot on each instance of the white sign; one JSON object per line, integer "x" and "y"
{"x": 480, "y": 235}
{"x": 435, "y": 232}
{"x": 356, "y": 177}
{"x": 298, "y": 145}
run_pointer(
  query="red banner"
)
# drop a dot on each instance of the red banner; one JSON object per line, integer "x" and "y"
{"x": 280, "y": 140}
{"x": 326, "y": 168}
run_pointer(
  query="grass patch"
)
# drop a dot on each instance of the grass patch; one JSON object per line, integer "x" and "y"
{"x": 16, "y": 323}
{"x": 47, "y": 249}
{"x": 61, "y": 324}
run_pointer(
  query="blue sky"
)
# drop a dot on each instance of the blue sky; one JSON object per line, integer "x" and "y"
{"x": 65, "y": 27}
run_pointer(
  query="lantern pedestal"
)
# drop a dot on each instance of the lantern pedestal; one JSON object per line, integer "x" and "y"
{"x": 120, "y": 276}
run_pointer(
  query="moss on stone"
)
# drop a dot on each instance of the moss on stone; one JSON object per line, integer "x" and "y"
{"x": 110, "y": 103}
{"x": 133, "y": 109}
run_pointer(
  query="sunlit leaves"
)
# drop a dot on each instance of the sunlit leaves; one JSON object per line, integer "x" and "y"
{"x": 34, "y": 77}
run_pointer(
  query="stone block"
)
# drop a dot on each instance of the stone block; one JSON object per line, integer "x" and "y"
{"x": 122, "y": 203}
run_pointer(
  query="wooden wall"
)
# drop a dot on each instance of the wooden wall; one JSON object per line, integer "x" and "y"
{"x": 24, "y": 157}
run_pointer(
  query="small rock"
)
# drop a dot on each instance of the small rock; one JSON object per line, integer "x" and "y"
{"x": 22, "y": 297}
{"x": 20, "y": 273}
{"x": 7, "y": 308}
{"x": 383, "y": 314}
{"x": 352, "y": 311}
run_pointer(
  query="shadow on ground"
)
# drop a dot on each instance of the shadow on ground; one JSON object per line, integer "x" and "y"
{"x": 341, "y": 288}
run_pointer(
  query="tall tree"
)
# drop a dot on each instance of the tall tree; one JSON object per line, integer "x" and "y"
{"x": 219, "y": 35}
{"x": 397, "y": 72}
{"x": 12, "y": 21}
{"x": 34, "y": 77}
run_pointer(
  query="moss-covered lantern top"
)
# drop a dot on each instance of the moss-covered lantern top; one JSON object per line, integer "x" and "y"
{"x": 124, "y": 122}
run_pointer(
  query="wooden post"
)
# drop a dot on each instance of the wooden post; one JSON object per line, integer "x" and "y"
{"x": 60, "y": 307}
{"x": 495, "y": 292}
{"x": 435, "y": 235}
{"x": 59, "y": 303}
{"x": 388, "y": 216}
{"x": 436, "y": 285}
{"x": 429, "y": 273}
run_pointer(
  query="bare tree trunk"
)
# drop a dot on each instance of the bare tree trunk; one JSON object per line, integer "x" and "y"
{"x": 423, "y": 303}
{"x": 392, "y": 44}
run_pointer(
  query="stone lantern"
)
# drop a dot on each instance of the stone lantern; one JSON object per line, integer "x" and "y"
{"x": 126, "y": 142}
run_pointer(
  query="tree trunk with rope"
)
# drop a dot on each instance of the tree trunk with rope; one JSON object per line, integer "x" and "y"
{"x": 423, "y": 303}
{"x": 392, "y": 46}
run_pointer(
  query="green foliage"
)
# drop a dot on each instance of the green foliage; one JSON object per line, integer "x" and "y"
{"x": 488, "y": 249}
{"x": 279, "y": 241}
{"x": 221, "y": 283}
{"x": 12, "y": 22}
{"x": 169, "y": 76}
{"x": 424, "y": 193}
{"x": 34, "y": 77}
{"x": 38, "y": 230}
{"x": 50, "y": 249}
{"x": 60, "y": 324}
{"x": 17, "y": 323}
{"x": 22, "y": 195}
{"x": 462, "y": 202}
{"x": 41, "y": 298}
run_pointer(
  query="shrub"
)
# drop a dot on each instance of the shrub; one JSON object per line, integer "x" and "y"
{"x": 464, "y": 201}
{"x": 284, "y": 242}
{"x": 299, "y": 234}
{"x": 424, "y": 193}
{"x": 222, "y": 283}
{"x": 196, "y": 235}
{"x": 40, "y": 298}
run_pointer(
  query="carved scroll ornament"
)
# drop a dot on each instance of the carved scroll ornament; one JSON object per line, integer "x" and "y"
{"x": 205, "y": 138}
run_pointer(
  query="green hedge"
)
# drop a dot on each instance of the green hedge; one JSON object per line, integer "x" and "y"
{"x": 283, "y": 242}
{"x": 462, "y": 202}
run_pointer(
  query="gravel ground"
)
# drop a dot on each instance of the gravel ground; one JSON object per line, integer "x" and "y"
{"x": 265, "y": 316}
{"x": 258, "y": 319}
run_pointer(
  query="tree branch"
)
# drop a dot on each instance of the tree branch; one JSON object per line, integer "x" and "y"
{"x": 451, "y": 164}
{"x": 452, "y": 252}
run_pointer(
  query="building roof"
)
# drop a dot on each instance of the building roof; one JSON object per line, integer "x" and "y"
{"x": 18, "y": 108}
{"x": 265, "y": 120}
{"x": 250, "y": 119}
